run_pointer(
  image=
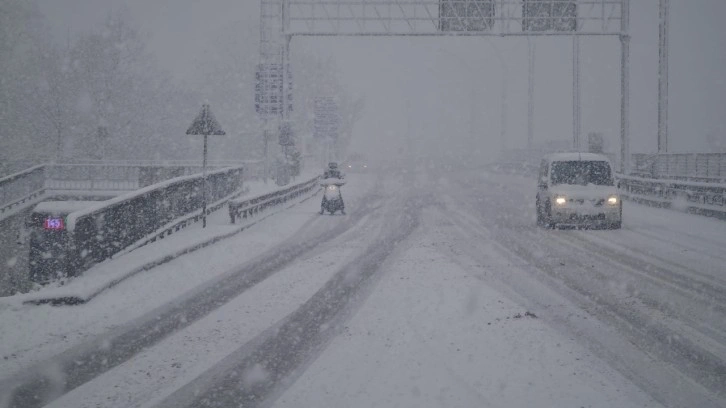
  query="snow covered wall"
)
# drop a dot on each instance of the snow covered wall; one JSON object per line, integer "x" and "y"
{"x": 100, "y": 231}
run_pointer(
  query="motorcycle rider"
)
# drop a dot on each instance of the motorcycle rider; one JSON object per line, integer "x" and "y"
{"x": 332, "y": 172}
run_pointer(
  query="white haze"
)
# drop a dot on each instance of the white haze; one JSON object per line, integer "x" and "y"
{"x": 421, "y": 88}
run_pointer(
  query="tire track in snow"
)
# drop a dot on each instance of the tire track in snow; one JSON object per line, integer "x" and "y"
{"x": 680, "y": 349}
{"x": 54, "y": 377}
{"x": 260, "y": 370}
{"x": 652, "y": 375}
{"x": 683, "y": 314}
{"x": 685, "y": 276}
{"x": 660, "y": 272}
{"x": 714, "y": 252}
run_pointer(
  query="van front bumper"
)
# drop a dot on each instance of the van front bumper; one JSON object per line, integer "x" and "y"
{"x": 586, "y": 216}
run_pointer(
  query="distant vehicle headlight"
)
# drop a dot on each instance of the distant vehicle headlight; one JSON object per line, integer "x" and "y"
{"x": 560, "y": 200}
{"x": 612, "y": 200}
{"x": 332, "y": 187}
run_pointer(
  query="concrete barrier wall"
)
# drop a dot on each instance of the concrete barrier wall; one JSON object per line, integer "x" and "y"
{"x": 101, "y": 231}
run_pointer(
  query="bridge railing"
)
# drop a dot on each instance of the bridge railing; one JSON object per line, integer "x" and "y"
{"x": 707, "y": 167}
{"x": 691, "y": 196}
{"x": 92, "y": 177}
{"x": 99, "y": 232}
{"x": 19, "y": 188}
{"x": 161, "y": 163}
{"x": 25, "y": 187}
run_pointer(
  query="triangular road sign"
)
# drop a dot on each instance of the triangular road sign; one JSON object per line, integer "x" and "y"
{"x": 205, "y": 124}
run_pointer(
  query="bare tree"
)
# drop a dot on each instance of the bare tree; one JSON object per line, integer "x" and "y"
{"x": 19, "y": 37}
{"x": 317, "y": 77}
{"x": 126, "y": 107}
{"x": 58, "y": 89}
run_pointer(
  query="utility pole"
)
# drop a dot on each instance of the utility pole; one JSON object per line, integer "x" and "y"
{"x": 625, "y": 87}
{"x": 663, "y": 77}
{"x": 266, "y": 140}
{"x": 576, "y": 124}
{"x": 503, "y": 113}
{"x": 530, "y": 106}
{"x": 409, "y": 145}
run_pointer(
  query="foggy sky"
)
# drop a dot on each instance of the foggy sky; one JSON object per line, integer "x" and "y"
{"x": 422, "y": 87}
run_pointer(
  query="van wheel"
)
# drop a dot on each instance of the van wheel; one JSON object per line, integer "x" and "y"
{"x": 547, "y": 216}
{"x": 619, "y": 223}
{"x": 540, "y": 220}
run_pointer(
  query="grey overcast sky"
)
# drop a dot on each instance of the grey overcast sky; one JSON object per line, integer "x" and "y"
{"x": 425, "y": 85}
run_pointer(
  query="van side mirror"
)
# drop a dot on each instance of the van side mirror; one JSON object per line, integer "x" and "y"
{"x": 543, "y": 183}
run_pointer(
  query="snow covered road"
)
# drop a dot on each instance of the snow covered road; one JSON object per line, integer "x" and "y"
{"x": 434, "y": 290}
{"x": 660, "y": 283}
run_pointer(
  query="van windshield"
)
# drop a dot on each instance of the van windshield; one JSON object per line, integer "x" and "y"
{"x": 581, "y": 172}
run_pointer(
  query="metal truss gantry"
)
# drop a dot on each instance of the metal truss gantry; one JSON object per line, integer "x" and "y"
{"x": 283, "y": 19}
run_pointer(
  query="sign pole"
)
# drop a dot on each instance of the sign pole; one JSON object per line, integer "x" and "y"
{"x": 205, "y": 124}
{"x": 204, "y": 184}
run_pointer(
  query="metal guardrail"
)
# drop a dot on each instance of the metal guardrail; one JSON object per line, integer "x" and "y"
{"x": 695, "y": 197}
{"x": 242, "y": 209}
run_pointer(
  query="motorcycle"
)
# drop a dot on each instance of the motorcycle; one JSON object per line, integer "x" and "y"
{"x": 332, "y": 198}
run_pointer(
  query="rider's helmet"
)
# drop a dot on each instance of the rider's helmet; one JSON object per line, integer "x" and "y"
{"x": 333, "y": 165}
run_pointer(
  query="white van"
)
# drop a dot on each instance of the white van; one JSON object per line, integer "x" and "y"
{"x": 578, "y": 189}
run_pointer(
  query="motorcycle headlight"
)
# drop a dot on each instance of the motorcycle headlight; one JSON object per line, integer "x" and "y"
{"x": 560, "y": 200}
{"x": 612, "y": 200}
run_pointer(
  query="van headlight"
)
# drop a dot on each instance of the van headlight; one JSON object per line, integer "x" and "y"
{"x": 613, "y": 200}
{"x": 560, "y": 200}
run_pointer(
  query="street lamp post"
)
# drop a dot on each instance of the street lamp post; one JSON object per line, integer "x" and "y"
{"x": 663, "y": 77}
{"x": 530, "y": 92}
{"x": 576, "y": 122}
{"x": 625, "y": 87}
